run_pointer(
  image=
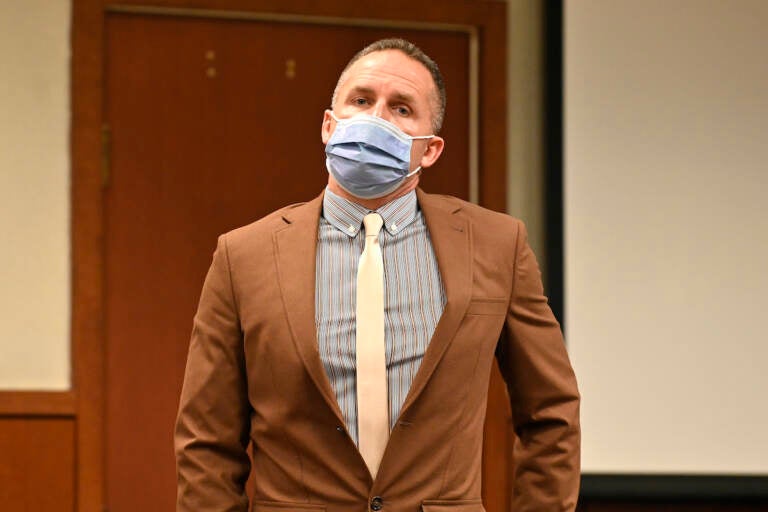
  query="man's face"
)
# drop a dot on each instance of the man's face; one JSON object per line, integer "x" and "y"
{"x": 395, "y": 87}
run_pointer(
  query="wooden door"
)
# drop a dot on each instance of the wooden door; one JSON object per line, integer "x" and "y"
{"x": 213, "y": 124}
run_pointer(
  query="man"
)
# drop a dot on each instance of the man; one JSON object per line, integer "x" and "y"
{"x": 351, "y": 338}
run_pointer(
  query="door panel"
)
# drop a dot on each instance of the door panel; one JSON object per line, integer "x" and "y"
{"x": 214, "y": 123}
{"x": 37, "y": 465}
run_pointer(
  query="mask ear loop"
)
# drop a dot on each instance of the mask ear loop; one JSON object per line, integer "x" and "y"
{"x": 418, "y": 169}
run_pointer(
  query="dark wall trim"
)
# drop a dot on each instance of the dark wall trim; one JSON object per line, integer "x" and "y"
{"x": 553, "y": 155}
{"x": 676, "y": 487}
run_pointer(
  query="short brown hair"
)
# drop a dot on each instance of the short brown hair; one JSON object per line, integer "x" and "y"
{"x": 414, "y": 52}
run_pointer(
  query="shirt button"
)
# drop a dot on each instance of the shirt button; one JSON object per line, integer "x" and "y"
{"x": 377, "y": 503}
{"x": 394, "y": 227}
{"x": 351, "y": 228}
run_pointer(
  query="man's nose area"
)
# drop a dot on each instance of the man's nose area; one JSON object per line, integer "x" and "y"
{"x": 380, "y": 109}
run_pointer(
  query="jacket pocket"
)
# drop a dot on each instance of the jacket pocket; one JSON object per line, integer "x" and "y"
{"x": 487, "y": 307}
{"x": 452, "y": 506}
{"x": 283, "y": 506}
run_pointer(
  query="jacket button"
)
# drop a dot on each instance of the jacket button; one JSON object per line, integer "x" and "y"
{"x": 377, "y": 503}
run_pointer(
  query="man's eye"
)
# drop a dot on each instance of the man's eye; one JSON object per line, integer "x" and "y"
{"x": 403, "y": 111}
{"x": 360, "y": 101}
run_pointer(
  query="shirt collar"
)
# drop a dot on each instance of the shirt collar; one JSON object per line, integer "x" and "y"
{"x": 347, "y": 216}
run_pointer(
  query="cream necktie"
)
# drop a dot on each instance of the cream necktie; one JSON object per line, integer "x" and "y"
{"x": 372, "y": 405}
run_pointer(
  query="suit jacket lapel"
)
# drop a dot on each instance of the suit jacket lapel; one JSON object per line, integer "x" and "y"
{"x": 451, "y": 240}
{"x": 295, "y": 249}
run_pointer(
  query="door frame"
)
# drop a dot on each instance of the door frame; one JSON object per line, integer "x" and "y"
{"x": 484, "y": 20}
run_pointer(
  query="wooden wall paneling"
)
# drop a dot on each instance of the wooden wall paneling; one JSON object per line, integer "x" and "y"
{"x": 493, "y": 109}
{"x": 37, "y": 465}
{"x": 37, "y": 403}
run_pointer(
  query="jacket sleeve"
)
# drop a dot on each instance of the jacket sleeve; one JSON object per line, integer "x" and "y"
{"x": 211, "y": 436}
{"x": 543, "y": 394}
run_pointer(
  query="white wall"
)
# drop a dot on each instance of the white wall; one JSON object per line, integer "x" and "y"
{"x": 666, "y": 191}
{"x": 34, "y": 195}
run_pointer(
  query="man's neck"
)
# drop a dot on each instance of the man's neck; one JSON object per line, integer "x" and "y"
{"x": 376, "y": 203}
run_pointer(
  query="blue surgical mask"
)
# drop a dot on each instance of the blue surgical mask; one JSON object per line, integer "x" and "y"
{"x": 368, "y": 156}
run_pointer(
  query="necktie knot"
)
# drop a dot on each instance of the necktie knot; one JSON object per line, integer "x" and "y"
{"x": 373, "y": 223}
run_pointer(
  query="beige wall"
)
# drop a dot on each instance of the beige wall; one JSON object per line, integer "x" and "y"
{"x": 666, "y": 184}
{"x": 525, "y": 96}
{"x": 34, "y": 195}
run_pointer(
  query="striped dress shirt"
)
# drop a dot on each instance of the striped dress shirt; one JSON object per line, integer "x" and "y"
{"x": 414, "y": 296}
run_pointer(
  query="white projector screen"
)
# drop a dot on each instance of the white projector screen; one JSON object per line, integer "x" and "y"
{"x": 666, "y": 233}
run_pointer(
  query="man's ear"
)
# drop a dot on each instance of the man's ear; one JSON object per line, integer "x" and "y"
{"x": 434, "y": 149}
{"x": 326, "y": 129}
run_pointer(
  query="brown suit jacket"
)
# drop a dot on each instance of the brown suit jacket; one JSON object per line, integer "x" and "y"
{"x": 254, "y": 374}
